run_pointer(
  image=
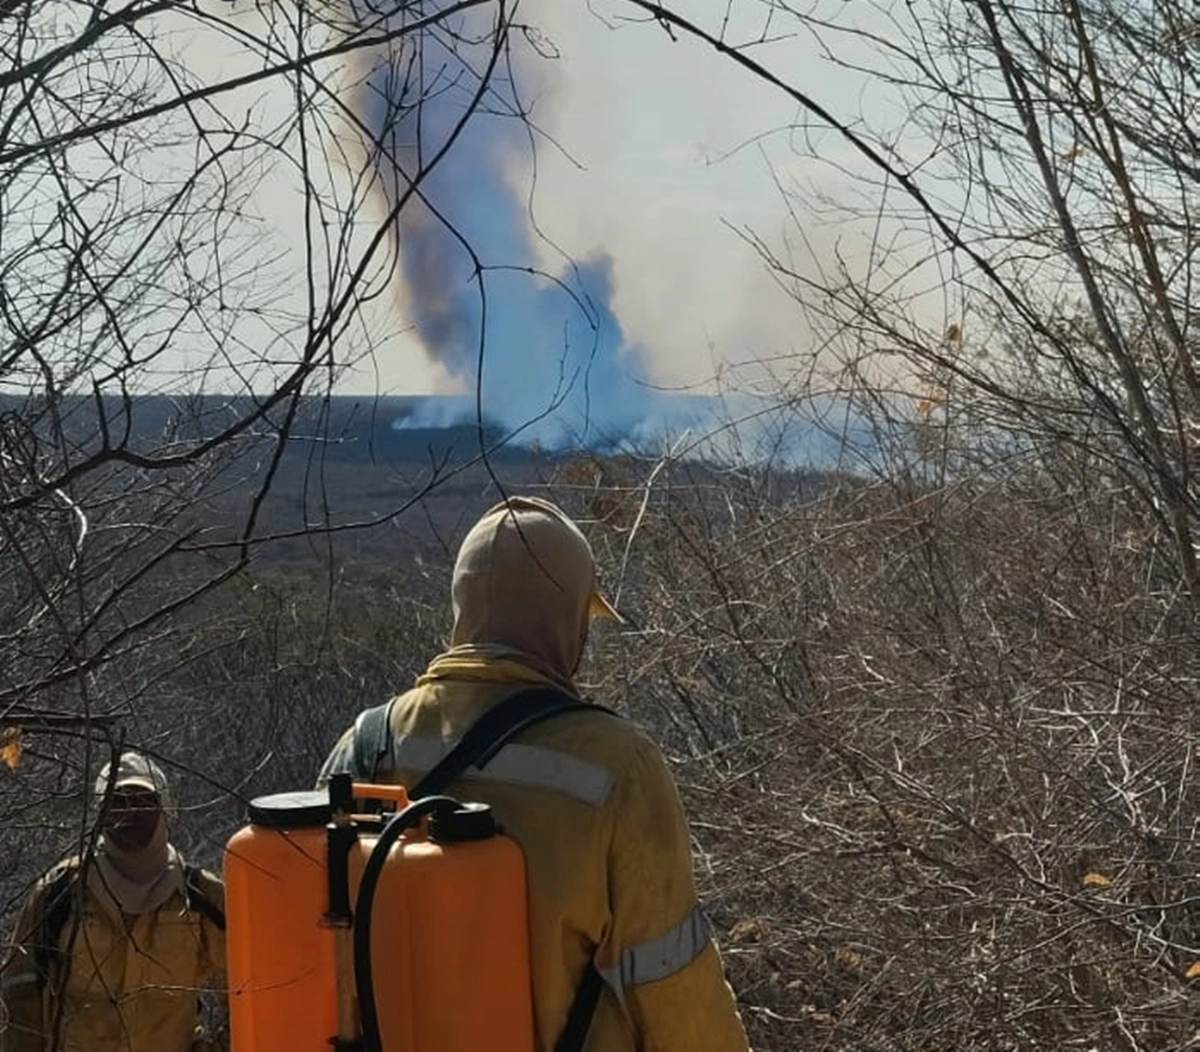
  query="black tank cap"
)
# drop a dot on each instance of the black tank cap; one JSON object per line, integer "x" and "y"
{"x": 465, "y": 822}
{"x": 293, "y": 810}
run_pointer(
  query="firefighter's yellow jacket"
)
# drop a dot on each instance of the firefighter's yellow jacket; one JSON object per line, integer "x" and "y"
{"x": 594, "y": 807}
{"x": 111, "y": 982}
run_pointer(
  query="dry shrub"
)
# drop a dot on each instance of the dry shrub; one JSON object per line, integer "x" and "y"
{"x": 937, "y": 746}
{"x": 935, "y": 741}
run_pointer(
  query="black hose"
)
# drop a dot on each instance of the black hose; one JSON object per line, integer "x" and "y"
{"x": 364, "y": 903}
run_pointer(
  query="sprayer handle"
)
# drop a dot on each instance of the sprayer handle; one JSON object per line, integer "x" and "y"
{"x": 370, "y": 791}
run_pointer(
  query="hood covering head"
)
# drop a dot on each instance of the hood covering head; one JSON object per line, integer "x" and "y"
{"x": 136, "y": 770}
{"x": 135, "y": 879}
{"x": 525, "y": 578}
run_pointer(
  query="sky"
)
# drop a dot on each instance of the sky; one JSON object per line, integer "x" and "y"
{"x": 653, "y": 157}
{"x": 614, "y": 226}
{"x": 680, "y": 153}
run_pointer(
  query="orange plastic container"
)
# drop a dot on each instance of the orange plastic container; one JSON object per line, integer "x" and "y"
{"x": 449, "y": 936}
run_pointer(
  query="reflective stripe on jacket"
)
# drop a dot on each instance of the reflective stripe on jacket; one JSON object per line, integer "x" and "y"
{"x": 129, "y": 990}
{"x": 594, "y": 807}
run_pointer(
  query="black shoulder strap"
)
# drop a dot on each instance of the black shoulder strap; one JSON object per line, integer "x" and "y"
{"x": 56, "y": 911}
{"x": 579, "y": 1019}
{"x": 494, "y": 729}
{"x": 372, "y": 740}
{"x": 198, "y": 900}
{"x": 483, "y": 739}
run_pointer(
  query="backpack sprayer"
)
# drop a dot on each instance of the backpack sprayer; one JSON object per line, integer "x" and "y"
{"x": 435, "y": 875}
{"x": 439, "y": 917}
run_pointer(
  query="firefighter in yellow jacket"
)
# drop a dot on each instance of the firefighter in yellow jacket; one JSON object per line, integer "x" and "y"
{"x": 111, "y": 952}
{"x": 587, "y": 796}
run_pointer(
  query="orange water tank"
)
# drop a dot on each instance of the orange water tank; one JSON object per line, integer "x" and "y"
{"x": 448, "y": 931}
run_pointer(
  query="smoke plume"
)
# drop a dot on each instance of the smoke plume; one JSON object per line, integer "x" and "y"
{"x": 543, "y": 353}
